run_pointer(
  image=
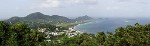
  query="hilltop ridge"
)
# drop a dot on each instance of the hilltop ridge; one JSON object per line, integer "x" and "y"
{"x": 39, "y": 17}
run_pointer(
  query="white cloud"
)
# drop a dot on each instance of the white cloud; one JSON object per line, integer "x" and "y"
{"x": 49, "y": 3}
{"x": 112, "y": 8}
{"x": 62, "y": 3}
{"x": 17, "y": 8}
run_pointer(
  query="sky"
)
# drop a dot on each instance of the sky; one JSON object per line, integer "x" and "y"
{"x": 75, "y": 8}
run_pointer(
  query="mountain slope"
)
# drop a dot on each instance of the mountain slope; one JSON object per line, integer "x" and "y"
{"x": 36, "y": 15}
{"x": 83, "y": 18}
{"x": 39, "y": 18}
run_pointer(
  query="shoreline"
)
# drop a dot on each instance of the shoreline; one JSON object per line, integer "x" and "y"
{"x": 74, "y": 27}
{"x": 68, "y": 25}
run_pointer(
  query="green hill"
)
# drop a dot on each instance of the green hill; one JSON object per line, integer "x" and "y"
{"x": 82, "y": 18}
{"x": 37, "y": 18}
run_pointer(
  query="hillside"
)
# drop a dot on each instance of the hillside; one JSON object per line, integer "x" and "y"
{"x": 82, "y": 18}
{"x": 38, "y": 17}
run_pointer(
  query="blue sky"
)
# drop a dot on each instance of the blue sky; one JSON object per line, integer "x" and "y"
{"x": 75, "y": 8}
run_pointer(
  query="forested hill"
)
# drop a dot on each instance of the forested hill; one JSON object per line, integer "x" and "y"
{"x": 82, "y": 18}
{"x": 38, "y": 17}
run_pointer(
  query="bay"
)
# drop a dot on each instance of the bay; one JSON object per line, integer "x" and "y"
{"x": 109, "y": 25}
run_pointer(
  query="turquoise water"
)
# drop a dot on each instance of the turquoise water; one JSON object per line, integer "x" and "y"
{"x": 109, "y": 25}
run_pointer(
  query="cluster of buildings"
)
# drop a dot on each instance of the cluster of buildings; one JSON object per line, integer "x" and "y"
{"x": 70, "y": 32}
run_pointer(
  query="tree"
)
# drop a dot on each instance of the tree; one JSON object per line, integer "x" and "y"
{"x": 4, "y": 29}
{"x": 19, "y": 35}
{"x": 100, "y": 38}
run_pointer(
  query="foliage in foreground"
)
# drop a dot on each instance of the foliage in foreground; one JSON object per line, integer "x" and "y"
{"x": 19, "y": 35}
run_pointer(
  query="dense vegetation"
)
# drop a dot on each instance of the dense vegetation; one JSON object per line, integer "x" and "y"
{"x": 20, "y": 35}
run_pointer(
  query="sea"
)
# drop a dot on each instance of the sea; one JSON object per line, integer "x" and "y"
{"x": 109, "y": 24}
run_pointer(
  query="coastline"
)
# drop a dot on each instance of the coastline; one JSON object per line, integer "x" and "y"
{"x": 74, "y": 27}
{"x": 68, "y": 25}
